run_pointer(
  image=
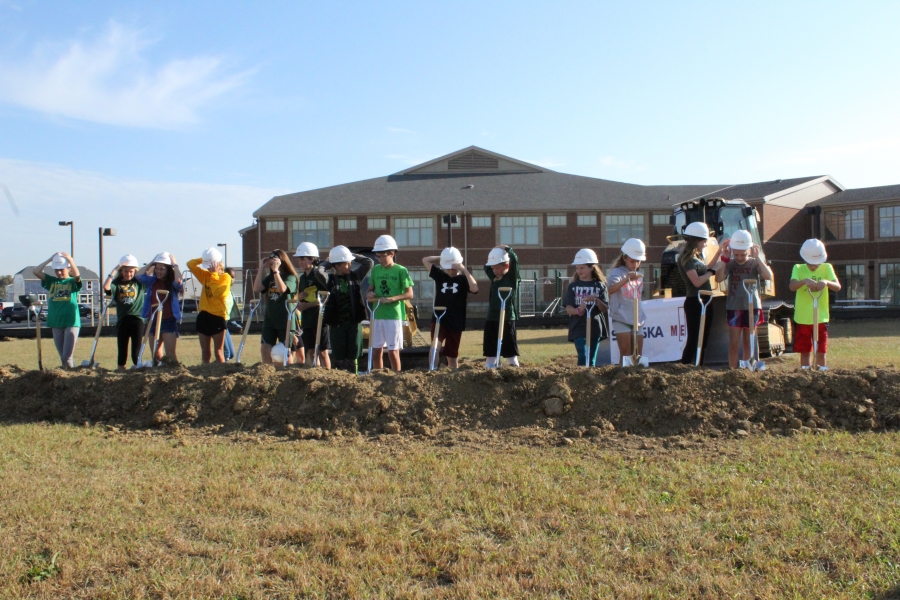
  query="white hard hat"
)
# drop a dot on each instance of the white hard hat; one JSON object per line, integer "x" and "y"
{"x": 163, "y": 258}
{"x": 59, "y": 262}
{"x": 129, "y": 260}
{"x": 211, "y": 255}
{"x": 307, "y": 249}
{"x": 697, "y": 229}
{"x": 340, "y": 254}
{"x": 498, "y": 256}
{"x": 450, "y": 257}
{"x": 384, "y": 243}
{"x": 741, "y": 240}
{"x": 813, "y": 252}
{"x": 635, "y": 249}
{"x": 586, "y": 256}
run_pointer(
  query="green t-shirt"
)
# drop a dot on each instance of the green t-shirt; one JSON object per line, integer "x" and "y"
{"x": 128, "y": 297}
{"x": 276, "y": 311}
{"x": 62, "y": 301}
{"x": 392, "y": 281}
{"x": 803, "y": 302}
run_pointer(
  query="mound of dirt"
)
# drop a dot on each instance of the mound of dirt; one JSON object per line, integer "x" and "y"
{"x": 539, "y": 403}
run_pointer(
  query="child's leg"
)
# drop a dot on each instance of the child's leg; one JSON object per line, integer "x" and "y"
{"x": 745, "y": 344}
{"x": 218, "y": 346}
{"x": 450, "y": 346}
{"x": 205, "y": 352}
{"x": 823, "y": 345}
{"x": 169, "y": 341}
{"x": 123, "y": 335}
{"x": 394, "y": 356}
{"x": 579, "y": 350}
{"x": 735, "y": 335}
{"x": 640, "y": 345}
{"x": 59, "y": 334}
{"x": 136, "y": 328}
{"x": 510, "y": 344}
{"x": 623, "y": 341}
{"x": 595, "y": 348}
{"x": 489, "y": 343}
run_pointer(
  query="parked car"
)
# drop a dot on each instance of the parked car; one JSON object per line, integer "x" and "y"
{"x": 85, "y": 311}
{"x": 18, "y": 314}
{"x": 190, "y": 305}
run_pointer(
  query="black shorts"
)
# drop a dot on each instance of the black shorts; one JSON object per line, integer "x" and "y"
{"x": 510, "y": 346}
{"x": 209, "y": 325}
{"x": 309, "y": 338}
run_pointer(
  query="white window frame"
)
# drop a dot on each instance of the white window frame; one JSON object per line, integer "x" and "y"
{"x": 403, "y": 226}
{"x": 584, "y": 219}
{"x": 661, "y": 220}
{"x": 274, "y": 225}
{"x": 894, "y": 219}
{"x": 481, "y": 221}
{"x": 845, "y": 279}
{"x": 557, "y": 220}
{"x": 617, "y": 240}
{"x": 43, "y": 298}
{"x": 847, "y": 225}
{"x": 526, "y": 224}
{"x": 321, "y": 225}
{"x": 348, "y": 224}
{"x": 376, "y": 223}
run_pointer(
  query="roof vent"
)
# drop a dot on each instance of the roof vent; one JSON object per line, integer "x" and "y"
{"x": 472, "y": 161}
{"x": 777, "y": 181}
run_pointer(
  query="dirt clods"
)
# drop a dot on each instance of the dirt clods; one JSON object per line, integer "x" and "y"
{"x": 540, "y": 405}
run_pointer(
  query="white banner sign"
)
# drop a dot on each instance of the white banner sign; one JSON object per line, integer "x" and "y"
{"x": 665, "y": 331}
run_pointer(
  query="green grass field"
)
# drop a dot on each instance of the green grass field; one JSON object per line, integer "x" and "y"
{"x": 86, "y": 513}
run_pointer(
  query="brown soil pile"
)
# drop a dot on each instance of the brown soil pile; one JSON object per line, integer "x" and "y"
{"x": 535, "y": 403}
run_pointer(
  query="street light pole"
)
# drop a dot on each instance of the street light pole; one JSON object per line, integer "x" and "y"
{"x": 71, "y": 226}
{"x": 101, "y": 233}
{"x": 226, "y": 253}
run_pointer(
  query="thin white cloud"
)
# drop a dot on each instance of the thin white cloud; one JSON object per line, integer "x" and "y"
{"x": 548, "y": 162}
{"x": 613, "y": 162}
{"x": 150, "y": 216}
{"x": 108, "y": 80}
{"x": 402, "y": 130}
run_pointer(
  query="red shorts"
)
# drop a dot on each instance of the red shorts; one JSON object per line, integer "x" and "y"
{"x": 803, "y": 335}
{"x": 450, "y": 339}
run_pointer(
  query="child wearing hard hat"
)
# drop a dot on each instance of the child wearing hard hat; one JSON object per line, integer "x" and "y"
{"x": 307, "y": 256}
{"x": 163, "y": 273}
{"x": 213, "y": 315}
{"x": 62, "y": 304}
{"x": 278, "y": 286}
{"x": 745, "y": 263}
{"x": 814, "y": 276}
{"x": 452, "y": 286}
{"x": 502, "y": 268}
{"x": 586, "y": 291}
{"x": 391, "y": 284}
{"x": 127, "y": 295}
{"x": 344, "y": 309}
{"x": 625, "y": 284}
{"x": 696, "y": 273}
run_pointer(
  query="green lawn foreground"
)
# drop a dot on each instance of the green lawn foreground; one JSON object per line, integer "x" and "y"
{"x": 155, "y": 517}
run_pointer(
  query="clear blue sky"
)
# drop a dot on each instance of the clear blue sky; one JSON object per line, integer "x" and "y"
{"x": 173, "y": 121}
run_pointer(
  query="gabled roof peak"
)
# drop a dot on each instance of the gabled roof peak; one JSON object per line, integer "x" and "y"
{"x": 472, "y": 160}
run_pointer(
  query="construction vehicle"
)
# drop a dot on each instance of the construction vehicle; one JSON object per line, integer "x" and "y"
{"x": 723, "y": 217}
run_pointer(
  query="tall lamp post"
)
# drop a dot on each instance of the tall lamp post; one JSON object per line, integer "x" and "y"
{"x": 101, "y": 233}
{"x": 226, "y": 253}
{"x": 71, "y": 226}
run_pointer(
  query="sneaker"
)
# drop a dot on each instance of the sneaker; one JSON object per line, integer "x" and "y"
{"x": 823, "y": 368}
{"x": 743, "y": 364}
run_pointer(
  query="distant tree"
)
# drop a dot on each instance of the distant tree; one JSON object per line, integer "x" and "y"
{"x": 5, "y": 280}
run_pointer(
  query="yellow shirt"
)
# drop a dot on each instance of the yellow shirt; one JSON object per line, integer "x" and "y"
{"x": 216, "y": 289}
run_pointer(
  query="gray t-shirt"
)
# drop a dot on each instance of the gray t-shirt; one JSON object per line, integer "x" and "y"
{"x": 737, "y": 295}
{"x": 695, "y": 264}
{"x": 621, "y": 304}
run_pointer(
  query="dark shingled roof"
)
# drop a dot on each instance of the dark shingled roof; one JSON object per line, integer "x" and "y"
{"x": 499, "y": 192}
{"x": 883, "y": 192}
{"x": 757, "y": 191}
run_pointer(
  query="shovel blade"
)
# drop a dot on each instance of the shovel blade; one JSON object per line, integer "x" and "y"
{"x": 644, "y": 361}
{"x": 627, "y": 362}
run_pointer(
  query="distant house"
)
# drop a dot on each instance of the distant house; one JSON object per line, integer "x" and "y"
{"x": 24, "y": 282}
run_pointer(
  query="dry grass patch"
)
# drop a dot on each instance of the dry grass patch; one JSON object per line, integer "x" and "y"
{"x": 148, "y": 516}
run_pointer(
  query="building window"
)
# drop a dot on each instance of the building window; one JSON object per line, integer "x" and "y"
{"x": 556, "y": 220}
{"x": 347, "y": 224}
{"x": 84, "y": 298}
{"x": 845, "y": 224}
{"x": 423, "y": 285}
{"x": 587, "y": 220}
{"x": 889, "y": 283}
{"x": 414, "y": 232}
{"x": 518, "y": 231}
{"x": 889, "y": 221}
{"x": 481, "y": 222}
{"x": 377, "y": 223}
{"x": 853, "y": 282}
{"x": 274, "y": 225}
{"x": 622, "y": 227}
{"x": 43, "y": 298}
{"x": 317, "y": 232}
{"x": 662, "y": 219}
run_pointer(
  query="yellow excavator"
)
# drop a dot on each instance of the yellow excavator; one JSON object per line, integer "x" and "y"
{"x": 723, "y": 217}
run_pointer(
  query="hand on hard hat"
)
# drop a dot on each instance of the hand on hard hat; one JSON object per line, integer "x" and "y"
{"x": 450, "y": 257}
{"x": 497, "y": 256}
{"x": 340, "y": 254}
{"x": 740, "y": 240}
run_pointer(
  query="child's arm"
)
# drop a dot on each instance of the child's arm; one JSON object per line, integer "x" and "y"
{"x": 73, "y": 268}
{"x": 428, "y": 261}
{"x": 473, "y": 285}
{"x": 765, "y": 270}
{"x": 199, "y": 272}
{"x": 260, "y": 275}
{"x": 178, "y": 275}
{"x": 615, "y": 287}
{"x": 39, "y": 270}
{"x": 513, "y": 263}
{"x": 365, "y": 265}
